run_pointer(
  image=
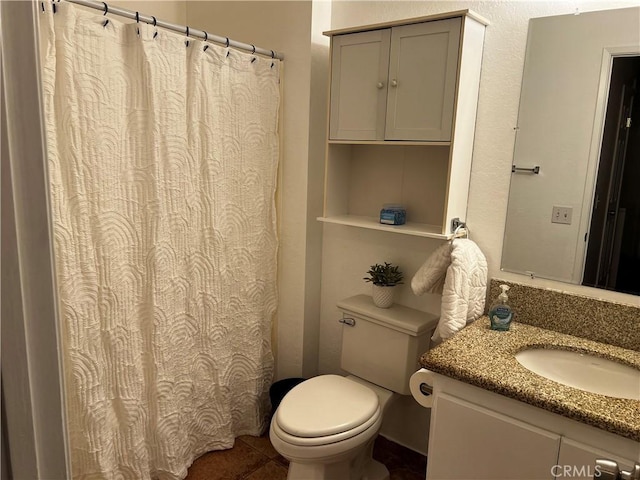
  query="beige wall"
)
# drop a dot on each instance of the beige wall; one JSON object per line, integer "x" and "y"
{"x": 170, "y": 11}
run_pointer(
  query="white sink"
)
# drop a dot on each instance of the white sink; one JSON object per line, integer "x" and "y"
{"x": 583, "y": 371}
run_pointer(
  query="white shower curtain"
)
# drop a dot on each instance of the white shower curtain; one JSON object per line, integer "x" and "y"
{"x": 162, "y": 168}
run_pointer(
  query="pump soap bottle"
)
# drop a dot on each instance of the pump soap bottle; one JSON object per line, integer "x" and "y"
{"x": 500, "y": 313}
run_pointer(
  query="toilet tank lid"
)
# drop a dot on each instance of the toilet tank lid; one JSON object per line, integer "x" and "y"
{"x": 404, "y": 319}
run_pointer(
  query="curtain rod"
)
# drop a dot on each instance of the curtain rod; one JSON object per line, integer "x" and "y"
{"x": 176, "y": 28}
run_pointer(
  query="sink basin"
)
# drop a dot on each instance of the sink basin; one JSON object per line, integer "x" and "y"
{"x": 583, "y": 371}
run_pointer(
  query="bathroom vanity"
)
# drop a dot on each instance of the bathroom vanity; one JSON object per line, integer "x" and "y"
{"x": 493, "y": 418}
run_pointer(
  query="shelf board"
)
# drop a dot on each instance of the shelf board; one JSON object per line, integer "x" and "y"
{"x": 373, "y": 223}
{"x": 389, "y": 142}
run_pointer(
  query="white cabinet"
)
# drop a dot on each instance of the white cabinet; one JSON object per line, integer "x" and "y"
{"x": 396, "y": 83}
{"x": 402, "y": 121}
{"x": 422, "y": 80}
{"x": 474, "y": 442}
{"x": 359, "y": 70}
{"x": 479, "y": 434}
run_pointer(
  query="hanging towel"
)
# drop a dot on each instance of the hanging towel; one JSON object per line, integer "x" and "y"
{"x": 459, "y": 271}
{"x": 430, "y": 277}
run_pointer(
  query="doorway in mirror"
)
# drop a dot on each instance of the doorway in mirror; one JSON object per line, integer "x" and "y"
{"x": 613, "y": 250}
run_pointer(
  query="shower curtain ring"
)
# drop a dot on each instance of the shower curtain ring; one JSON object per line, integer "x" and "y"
{"x": 138, "y": 21}
{"x": 155, "y": 23}
{"x": 53, "y": 5}
{"x": 106, "y": 10}
{"x": 187, "y": 42}
{"x": 273, "y": 54}
{"x": 254, "y": 49}
{"x": 206, "y": 39}
{"x": 227, "y": 45}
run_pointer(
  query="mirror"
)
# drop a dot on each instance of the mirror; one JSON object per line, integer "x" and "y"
{"x": 574, "y": 200}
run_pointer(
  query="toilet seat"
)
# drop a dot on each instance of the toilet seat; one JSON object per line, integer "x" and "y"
{"x": 324, "y": 440}
{"x": 324, "y": 410}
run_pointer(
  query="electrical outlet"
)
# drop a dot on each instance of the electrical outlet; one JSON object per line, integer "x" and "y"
{"x": 561, "y": 215}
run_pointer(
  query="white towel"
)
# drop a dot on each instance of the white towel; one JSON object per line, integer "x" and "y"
{"x": 430, "y": 277}
{"x": 464, "y": 268}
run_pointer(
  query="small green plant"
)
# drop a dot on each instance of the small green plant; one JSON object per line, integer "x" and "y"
{"x": 384, "y": 275}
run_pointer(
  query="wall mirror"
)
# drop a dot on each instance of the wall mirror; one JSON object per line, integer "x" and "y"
{"x": 574, "y": 200}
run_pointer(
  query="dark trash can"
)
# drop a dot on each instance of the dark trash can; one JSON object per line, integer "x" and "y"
{"x": 280, "y": 388}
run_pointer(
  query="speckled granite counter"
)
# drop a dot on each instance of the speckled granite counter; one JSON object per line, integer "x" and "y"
{"x": 486, "y": 358}
{"x": 596, "y": 319}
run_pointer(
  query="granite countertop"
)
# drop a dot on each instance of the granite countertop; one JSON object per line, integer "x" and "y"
{"x": 486, "y": 358}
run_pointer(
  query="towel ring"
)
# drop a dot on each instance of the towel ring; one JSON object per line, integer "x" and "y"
{"x": 464, "y": 229}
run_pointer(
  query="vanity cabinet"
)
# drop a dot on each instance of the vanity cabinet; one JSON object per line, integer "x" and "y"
{"x": 479, "y": 434}
{"x": 474, "y": 442}
{"x": 403, "y": 100}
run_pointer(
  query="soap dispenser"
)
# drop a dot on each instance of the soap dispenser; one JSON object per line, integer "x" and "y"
{"x": 500, "y": 313}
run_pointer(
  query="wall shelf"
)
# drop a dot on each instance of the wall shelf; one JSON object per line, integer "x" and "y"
{"x": 372, "y": 223}
{"x": 389, "y": 142}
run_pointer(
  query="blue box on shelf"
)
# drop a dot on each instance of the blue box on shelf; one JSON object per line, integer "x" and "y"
{"x": 392, "y": 214}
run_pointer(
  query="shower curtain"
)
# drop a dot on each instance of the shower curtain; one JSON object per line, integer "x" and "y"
{"x": 162, "y": 164}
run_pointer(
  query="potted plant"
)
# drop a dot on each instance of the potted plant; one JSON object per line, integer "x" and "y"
{"x": 384, "y": 278}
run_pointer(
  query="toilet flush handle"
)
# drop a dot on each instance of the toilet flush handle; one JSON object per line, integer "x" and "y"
{"x": 348, "y": 321}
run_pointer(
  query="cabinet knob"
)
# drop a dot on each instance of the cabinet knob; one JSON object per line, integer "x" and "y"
{"x": 348, "y": 321}
{"x": 380, "y": 85}
{"x": 394, "y": 83}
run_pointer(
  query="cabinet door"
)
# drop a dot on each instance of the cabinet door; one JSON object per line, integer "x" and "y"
{"x": 359, "y": 69}
{"x": 422, "y": 80}
{"x": 578, "y": 461}
{"x": 470, "y": 442}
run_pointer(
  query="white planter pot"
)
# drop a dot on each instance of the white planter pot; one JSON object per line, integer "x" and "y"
{"x": 383, "y": 296}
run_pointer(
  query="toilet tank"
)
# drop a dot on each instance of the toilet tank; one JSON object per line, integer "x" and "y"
{"x": 383, "y": 345}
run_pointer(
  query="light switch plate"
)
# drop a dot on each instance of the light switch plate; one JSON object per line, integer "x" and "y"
{"x": 561, "y": 215}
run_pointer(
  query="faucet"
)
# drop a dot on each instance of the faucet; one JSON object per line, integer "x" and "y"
{"x": 608, "y": 470}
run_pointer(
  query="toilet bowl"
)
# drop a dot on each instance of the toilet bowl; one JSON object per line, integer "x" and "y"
{"x": 326, "y": 427}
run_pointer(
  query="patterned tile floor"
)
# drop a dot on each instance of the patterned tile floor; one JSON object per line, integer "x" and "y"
{"x": 254, "y": 458}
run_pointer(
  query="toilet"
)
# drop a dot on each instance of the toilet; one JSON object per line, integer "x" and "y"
{"x": 326, "y": 426}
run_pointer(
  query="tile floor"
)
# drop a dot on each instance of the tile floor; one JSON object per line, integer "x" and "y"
{"x": 254, "y": 458}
